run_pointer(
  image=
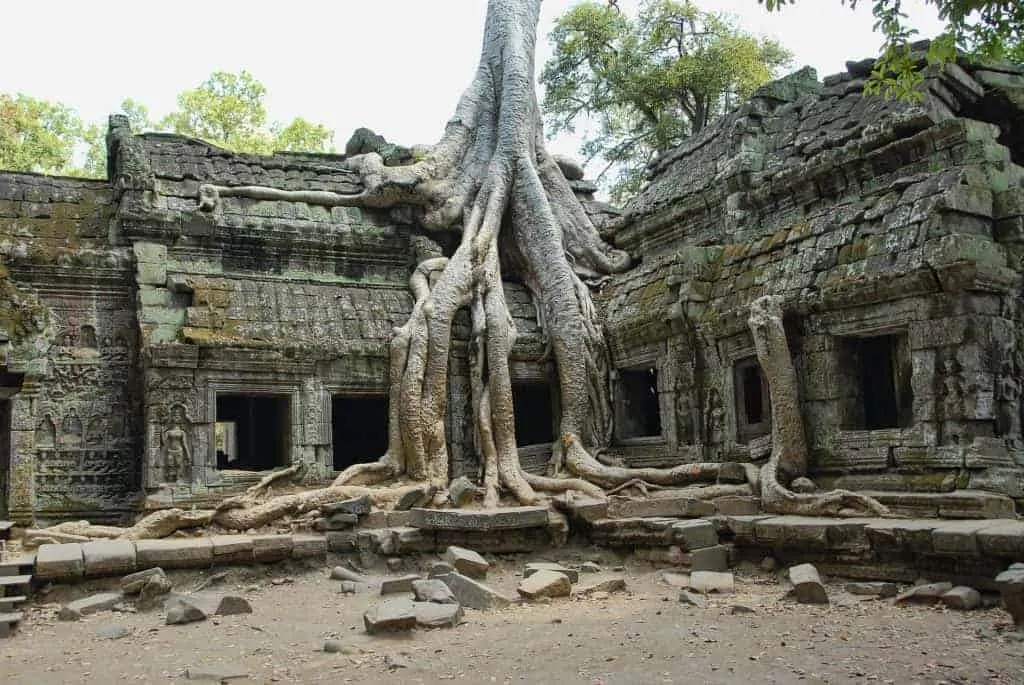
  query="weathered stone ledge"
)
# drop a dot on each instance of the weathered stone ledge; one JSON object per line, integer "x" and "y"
{"x": 73, "y": 561}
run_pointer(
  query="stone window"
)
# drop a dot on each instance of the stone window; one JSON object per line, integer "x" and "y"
{"x": 533, "y": 414}
{"x": 753, "y": 402}
{"x": 256, "y": 431}
{"x": 360, "y": 427}
{"x": 637, "y": 409}
{"x": 875, "y": 380}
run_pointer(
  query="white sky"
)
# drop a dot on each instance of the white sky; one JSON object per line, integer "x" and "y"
{"x": 396, "y": 66}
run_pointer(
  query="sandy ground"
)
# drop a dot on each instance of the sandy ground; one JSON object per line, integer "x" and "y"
{"x": 642, "y": 636}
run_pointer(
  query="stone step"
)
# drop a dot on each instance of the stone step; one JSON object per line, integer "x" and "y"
{"x": 479, "y": 520}
{"x": 8, "y": 621}
{"x": 5, "y": 529}
{"x": 959, "y": 504}
{"x": 13, "y": 582}
{"x": 17, "y": 566}
{"x": 8, "y": 604}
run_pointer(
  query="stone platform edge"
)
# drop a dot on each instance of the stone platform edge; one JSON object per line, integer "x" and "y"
{"x": 97, "y": 558}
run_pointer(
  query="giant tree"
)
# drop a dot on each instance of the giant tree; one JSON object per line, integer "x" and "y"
{"x": 491, "y": 180}
{"x": 649, "y": 81}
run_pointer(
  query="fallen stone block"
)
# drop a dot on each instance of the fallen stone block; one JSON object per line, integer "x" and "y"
{"x": 473, "y": 594}
{"x": 133, "y": 582}
{"x": 216, "y": 604}
{"x": 807, "y": 585}
{"x": 927, "y": 593}
{"x": 108, "y": 557}
{"x": 479, "y": 519}
{"x": 232, "y": 549}
{"x": 692, "y": 599}
{"x": 712, "y": 581}
{"x": 218, "y": 674}
{"x": 56, "y": 562}
{"x": 466, "y": 561}
{"x": 1011, "y": 588}
{"x": 342, "y": 573}
{"x": 360, "y": 506}
{"x": 390, "y": 615}
{"x": 174, "y": 553}
{"x": 590, "y": 567}
{"x": 400, "y": 584}
{"x": 961, "y": 598}
{"x": 434, "y": 615}
{"x": 183, "y": 609}
{"x": 606, "y": 586}
{"x": 270, "y": 548}
{"x": 417, "y": 497}
{"x": 679, "y": 580}
{"x": 433, "y": 590}
{"x": 873, "y": 589}
{"x": 103, "y": 601}
{"x": 439, "y": 568}
{"x": 544, "y": 583}
{"x": 572, "y": 574}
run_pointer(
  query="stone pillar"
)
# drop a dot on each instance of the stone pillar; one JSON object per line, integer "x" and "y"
{"x": 313, "y": 437}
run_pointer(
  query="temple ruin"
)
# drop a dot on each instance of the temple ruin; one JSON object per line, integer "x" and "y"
{"x": 163, "y": 346}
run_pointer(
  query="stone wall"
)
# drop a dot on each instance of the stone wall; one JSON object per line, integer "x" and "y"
{"x": 880, "y": 222}
{"x": 69, "y": 313}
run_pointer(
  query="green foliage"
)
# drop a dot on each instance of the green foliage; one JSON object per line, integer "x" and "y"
{"x": 647, "y": 82}
{"x": 987, "y": 30}
{"x": 227, "y": 110}
{"x": 36, "y": 135}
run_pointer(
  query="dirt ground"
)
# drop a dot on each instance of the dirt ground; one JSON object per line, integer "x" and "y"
{"x": 642, "y": 636}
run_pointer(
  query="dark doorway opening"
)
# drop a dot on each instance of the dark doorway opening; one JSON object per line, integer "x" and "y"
{"x": 360, "y": 427}
{"x": 638, "y": 410}
{"x": 253, "y": 432}
{"x": 5, "y": 453}
{"x": 753, "y": 402}
{"x": 880, "y": 370}
{"x": 533, "y": 414}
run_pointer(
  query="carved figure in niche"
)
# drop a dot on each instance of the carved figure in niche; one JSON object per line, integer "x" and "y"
{"x": 46, "y": 433}
{"x": 87, "y": 337}
{"x": 1008, "y": 401}
{"x": 71, "y": 431}
{"x": 177, "y": 458}
{"x": 684, "y": 416}
{"x": 94, "y": 431}
{"x": 715, "y": 422}
{"x": 952, "y": 400}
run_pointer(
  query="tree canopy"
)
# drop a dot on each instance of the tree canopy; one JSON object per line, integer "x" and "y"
{"x": 39, "y": 136}
{"x": 988, "y": 30}
{"x": 226, "y": 110}
{"x": 648, "y": 82}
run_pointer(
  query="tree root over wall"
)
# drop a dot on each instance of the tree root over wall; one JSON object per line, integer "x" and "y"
{"x": 491, "y": 179}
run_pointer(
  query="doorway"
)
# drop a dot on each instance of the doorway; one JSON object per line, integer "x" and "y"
{"x": 360, "y": 427}
{"x": 253, "y": 432}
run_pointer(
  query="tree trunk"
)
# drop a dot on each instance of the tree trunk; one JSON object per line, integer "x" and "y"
{"x": 789, "y": 444}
